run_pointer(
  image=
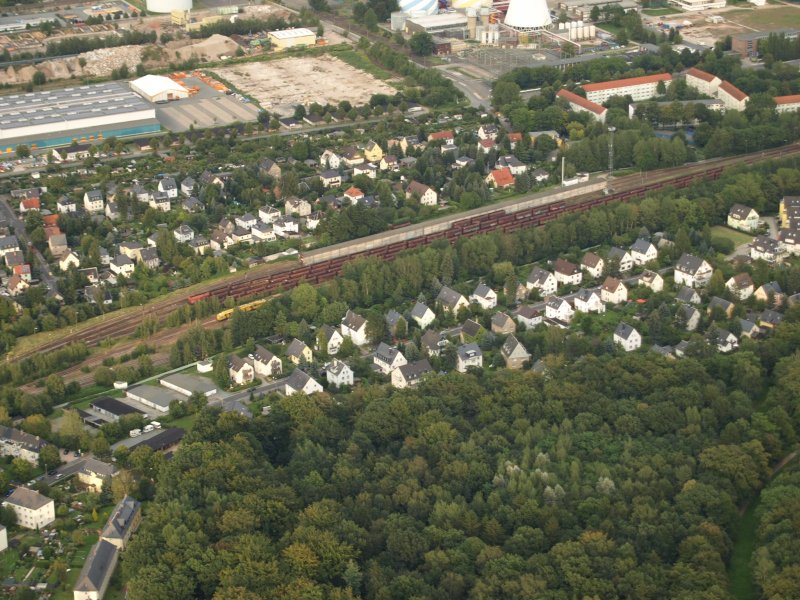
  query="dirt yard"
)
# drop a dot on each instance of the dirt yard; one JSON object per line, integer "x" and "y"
{"x": 736, "y": 20}
{"x": 280, "y": 85}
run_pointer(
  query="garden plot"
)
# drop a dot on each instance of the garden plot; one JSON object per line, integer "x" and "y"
{"x": 280, "y": 85}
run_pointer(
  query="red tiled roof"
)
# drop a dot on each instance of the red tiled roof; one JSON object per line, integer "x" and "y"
{"x": 50, "y": 219}
{"x": 502, "y": 177}
{"x": 354, "y": 192}
{"x": 441, "y": 135}
{"x": 515, "y": 137}
{"x": 30, "y": 203}
{"x": 487, "y": 143}
{"x": 732, "y": 90}
{"x": 700, "y": 74}
{"x": 793, "y": 99}
{"x": 581, "y": 101}
{"x": 51, "y": 230}
{"x": 618, "y": 83}
{"x": 22, "y": 269}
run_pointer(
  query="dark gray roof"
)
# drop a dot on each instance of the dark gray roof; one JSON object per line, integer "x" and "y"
{"x": 448, "y": 297}
{"x": 500, "y": 319}
{"x": 25, "y": 497}
{"x": 471, "y": 328}
{"x": 717, "y": 302}
{"x": 624, "y": 331}
{"x": 353, "y": 321}
{"x": 121, "y": 519}
{"x": 770, "y": 316}
{"x": 538, "y": 275}
{"x": 482, "y": 291}
{"x": 511, "y": 346}
{"x": 688, "y": 263}
{"x": 740, "y": 211}
{"x": 413, "y": 371}
{"x": 98, "y": 467}
{"x": 617, "y": 252}
{"x": 114, "y": 406}
{"x": 263, "y": 355}
{"x": 296, "y": 348}
{"x": 419, "y": 310}
{"x": 26, "y": 440}
{"x": 585, "y": 295}
{"x": 641, "y": 246}
{"x": 386, "y": 353}
{"x": 298, "y": 379}
{"x": 772, "y": 287}
{"x": 468, "y": 351}
{"x": 336, "y": 367}
{"x": 687, "y": 294}
{"x": 392, "y": 317}
{"x": 98, "y": 568}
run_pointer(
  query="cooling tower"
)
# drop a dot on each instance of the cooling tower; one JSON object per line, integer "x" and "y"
{"x": 528, "y": 14}
{"x": 428, "y": 7}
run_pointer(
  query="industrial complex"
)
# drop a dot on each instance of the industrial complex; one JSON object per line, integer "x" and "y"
{"x": 76, "y": 114}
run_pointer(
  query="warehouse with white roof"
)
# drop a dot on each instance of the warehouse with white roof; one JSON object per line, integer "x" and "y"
{"x": 82, "y": 114}
{"x": 157, "y": 88}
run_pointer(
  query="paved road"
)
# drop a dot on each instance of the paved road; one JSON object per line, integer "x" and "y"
{"x": 65, "y": 470}
{"x": 22, "y": 235}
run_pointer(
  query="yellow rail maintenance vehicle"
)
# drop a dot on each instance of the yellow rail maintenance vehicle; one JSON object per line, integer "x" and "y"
{"x": 224, "y": 315}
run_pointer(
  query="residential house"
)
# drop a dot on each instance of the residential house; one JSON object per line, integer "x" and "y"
{"x": 66, "y": 205}
{"x": 588, "y": 301}
{"x": 723, "y": 339}
{"x": 501, "y": 178}
{"x": 389, "y": 163}
{"x": 329, "y": 160}
{"x": 373, "y": 152}
{"x": 692, "y": 271}
{"x": 16, "y": 285}
{"x": 265, "y": 363}
{"x": 471, "y": 329}
{"x": 770, "y": 319}
{"x": 241, "y": 235}
{"x": 168, "y": 187}
{"x": 388, "y": 358}
{"x": 689, "y": 316}
{"x": 149, "y": 258}
{"x": 621, "y": 258}
{"x": 743, "y": 218}
{"x": 67, "y": 260}
{"x": 767, "y": 249}
{"x": 422, "y": 315}
{"x": 160, "y": 201}
{"x": 353, "y": 194}
{"x": 720, "y": 303}
{"x": 141, "y": 193}
{"x": 653, "y": 280}
{"x": 14, "y": 259}
{"x": 95, "y": 576}
{"x": 112, "y": 211}
{"x": 286, "y": 226}
{"x": 485, "y": 296}
{"x": 528, "y": 316}
{"x": 514, "y": 138}
{"x": 411, "y": 374}
{"x": 200, "y": 245}
{"x": 513, "y": 164}
{"x": 567, "y": 273}
{"x": 240, "y": 370}
{"x": 463, "y": 161}
{"x": 432, "y": 343}
{"x": 313, "y": 220}
{"x": 296, "y": 206}
{"x": 486, "y": 146}
{"x": 269, "y": 168}
{"x": 122, "y": 265}
{"x": 188, "y": 186}
{"x": 183, "y": 234}
{"x": 351, "y": 157}
{"x": 19, "y": 444}
{"x": 90, "y": 274}
{"x": 688, "y": 295}
{"x": 130, "y": 249}
{"x": 613, "y": 291}
{"x": 643, "y": 251}
{"x": 540, "y": 175}
{"x": 487, "y": 132}
{"x": 448, "y": 137}
{"x": 332, "y": 338}
{"x": 503, "y": 324}
{"x": 355, "y": 327}
{"x": 93, "y": 201}
{"x": 451, "y": 301}
{"x": 427, "y": 196}
{"x": 246, "y": 221}
{"x": 338, "y": 373}
{"x": 770, "y": 292}
{"x": 27, "y": 205}
{"x": 559, "y": 309}
{"x": 9, "y": 243}
{"x": 593, "y": 264}
{"x": 627, "y": 337}
{"x": 300, "y": 382}
{"x": 268, "y": 214}
{"x": 741, "y": 286}
{"x": 298, "y": 352}
{"x": 33, "y": 510}
{"x": 543, "y": 281}
{"x": 514, "y": 353}
{"x": 330, "y": 178}
{"x": 392, "y": 319}
{"x": 468, "y": 355}
{"x": 367, "y": 169}
{"x": 749, "y": 329}
{"x": 96, "y": 475}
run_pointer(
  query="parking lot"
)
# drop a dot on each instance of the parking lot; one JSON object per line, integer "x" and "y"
{"x": 207, "y": 108}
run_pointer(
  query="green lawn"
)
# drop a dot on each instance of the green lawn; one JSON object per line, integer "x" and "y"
{"x": 740, "y": 572}
{"x": 657, "y": 12}
{"x": 737, "y": 237}
{"x": 766, "y": 19}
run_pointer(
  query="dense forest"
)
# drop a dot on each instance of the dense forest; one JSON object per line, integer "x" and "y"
{"x": 611, "y": 476}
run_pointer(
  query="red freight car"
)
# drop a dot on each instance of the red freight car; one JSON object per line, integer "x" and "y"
{"x": 195, "y": 298}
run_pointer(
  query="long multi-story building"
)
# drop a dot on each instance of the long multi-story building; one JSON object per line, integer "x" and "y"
{"x": 698, "y": 5}
{"x": 787, "y": 103}
{"x": 746, "y": 44}
{"x": 638, "y": 88}
{"x": 703, "y": 82}
{"x": 581, "y": 104}
{"x": 732, "y": 97}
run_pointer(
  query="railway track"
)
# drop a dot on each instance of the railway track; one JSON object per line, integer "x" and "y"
{"x": 325, "y": 263}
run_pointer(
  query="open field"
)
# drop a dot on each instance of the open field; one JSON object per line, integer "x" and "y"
{"x": 737, "y": 237}
{"x": 767, "y": 17}
{"x": 280, "y": 85}
{"x": 658, "y": 12}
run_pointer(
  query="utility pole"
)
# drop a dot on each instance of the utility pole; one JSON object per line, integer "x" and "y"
{"x": 611, "y": 131}
{"x": 562, "y": 171}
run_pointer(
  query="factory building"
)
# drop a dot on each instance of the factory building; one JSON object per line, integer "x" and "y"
{"x": 638, "y": 88}
{"x": 698, "y": 5}
{"x": 157, "y": 88}
{"x": 288, "y": 38}
{"x": 582, "y": 9}
{"x": 746, "y": 44}
{"x": 77, "y": 114}
{"x": 440, "y": 23}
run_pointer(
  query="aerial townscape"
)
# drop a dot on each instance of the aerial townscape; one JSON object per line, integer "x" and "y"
{"x": 400, "y": 299}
